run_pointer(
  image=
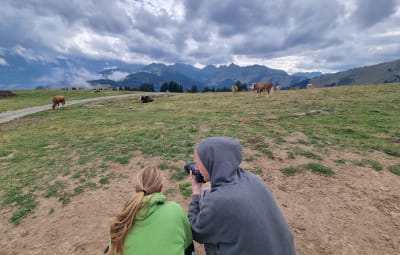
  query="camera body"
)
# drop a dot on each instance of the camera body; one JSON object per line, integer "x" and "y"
{"x": 190, "y": 167}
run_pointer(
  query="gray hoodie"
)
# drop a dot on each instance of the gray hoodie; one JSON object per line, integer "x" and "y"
{"x": 239, "y": 215}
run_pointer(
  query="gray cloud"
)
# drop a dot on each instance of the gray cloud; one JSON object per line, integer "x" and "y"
{"x": 370, "y": 12}
{"x": 314, "y": 35}
{"x": 99, "y": 15}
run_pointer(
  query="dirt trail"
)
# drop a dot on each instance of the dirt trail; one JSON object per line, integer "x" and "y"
{"x": 11, "y": 115}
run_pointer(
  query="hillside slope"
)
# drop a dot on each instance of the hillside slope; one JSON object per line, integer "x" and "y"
{"x": 388, "y": 72}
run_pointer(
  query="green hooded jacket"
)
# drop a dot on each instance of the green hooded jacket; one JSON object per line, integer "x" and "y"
{"x": 161, "y": 227}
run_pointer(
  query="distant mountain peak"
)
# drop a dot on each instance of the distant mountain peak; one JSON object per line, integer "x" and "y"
{"x": 308, "y": 75}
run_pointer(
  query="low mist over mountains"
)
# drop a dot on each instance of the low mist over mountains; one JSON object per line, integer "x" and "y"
{"x": 27, "y": 71}
{"x": 210, "y": 76}
{"x": 22, "y": 72}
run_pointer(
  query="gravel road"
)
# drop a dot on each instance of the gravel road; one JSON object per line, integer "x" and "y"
{"x": 11, "y": 115}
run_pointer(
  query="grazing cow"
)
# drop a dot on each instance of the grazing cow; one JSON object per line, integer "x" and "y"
{"x": 146, "y": 99}
{"x": 278, "y": 87}
{"x": 309, "y": 86}
{"x": 57, "y": 100}
{"x": 234, "y": 89}
{"x": 266, "y": 87}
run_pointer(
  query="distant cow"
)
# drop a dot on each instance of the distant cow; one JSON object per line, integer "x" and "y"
{"x": 146, "y": 99}
{"x": 309, "y": 86}
{"x": 57, "y": 100}
{"x": 266, "y": 87}
{"x": 234, "y": 89}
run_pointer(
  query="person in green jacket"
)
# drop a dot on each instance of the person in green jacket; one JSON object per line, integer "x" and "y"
{"x": 149, "y": 224}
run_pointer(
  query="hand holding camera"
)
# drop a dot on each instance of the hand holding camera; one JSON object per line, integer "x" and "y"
{"x": 190, "y": 167}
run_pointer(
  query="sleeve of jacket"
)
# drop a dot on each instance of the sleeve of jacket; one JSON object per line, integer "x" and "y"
{"x": 188, "y": 232}
{"x": 203, "y": 219}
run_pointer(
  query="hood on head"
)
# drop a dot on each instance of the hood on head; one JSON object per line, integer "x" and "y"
{"x": 221, "y": 156}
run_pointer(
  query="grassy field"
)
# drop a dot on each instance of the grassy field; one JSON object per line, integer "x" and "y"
{"x": 40, "y": 152}
{"x": 27, "y": 98}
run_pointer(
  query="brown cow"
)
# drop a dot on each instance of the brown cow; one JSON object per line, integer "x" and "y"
{"x": 234, "y": 89}
{"x": 57, "y": 100}
{"x": 267, "y": 87}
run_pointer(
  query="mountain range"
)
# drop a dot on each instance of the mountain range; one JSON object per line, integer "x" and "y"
{"x": 21, "y": 72}
{"x": 225, "y": 76}
{"x": 211, "y": 76}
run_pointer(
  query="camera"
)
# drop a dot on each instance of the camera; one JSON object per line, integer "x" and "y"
{"x": 190, "y": 167}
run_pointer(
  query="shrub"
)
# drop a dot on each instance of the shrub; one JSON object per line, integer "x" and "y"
{"x": 307, "y": 154}
{"x": 316, "y": 167}
{"x": 395, "y": 169}
{"x": 256, "y": 170}
{"x": 290, "y": 170}
{"x": 186, "y": 189}
{"x": 178, "y": 175}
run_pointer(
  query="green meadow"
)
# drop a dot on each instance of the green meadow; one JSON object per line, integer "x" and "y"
{"x": 27, "y": 98}
{"x": 77, "y": 142}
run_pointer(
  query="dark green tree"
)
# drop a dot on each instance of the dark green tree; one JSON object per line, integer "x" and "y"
{"x": 147, "y": 87}
{"x": 224, "y": 89}
{"x": 171, "y": 86}
{"x": 241, "y": 86}
{"x": 206, "y": 89}
{"x": 193, "y": 89}
{"x": 164, "y": 87}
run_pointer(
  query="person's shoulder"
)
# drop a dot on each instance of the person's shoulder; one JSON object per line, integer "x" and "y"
{"x": 172, "y": 205}
{"x": 172, "y": 210}
{"x": 218, "y": 198}
{"x": 252, "y": 177}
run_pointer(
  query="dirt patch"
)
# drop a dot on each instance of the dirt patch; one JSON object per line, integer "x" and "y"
{"x": 311, "y": 112}
{"x": 255, "y": 140}
{"x": 23, "y": 123}
{"x": 204, "y": 128}
{"x": 356, "y": 211}
{"x": 6, "y": 93}
{"x": 295, "y": 137}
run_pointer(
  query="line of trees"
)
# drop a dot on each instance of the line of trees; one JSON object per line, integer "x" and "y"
{"x": 173, "y": 86}
{"x": 241, "y": 86}
{"x": 147, "y": 87}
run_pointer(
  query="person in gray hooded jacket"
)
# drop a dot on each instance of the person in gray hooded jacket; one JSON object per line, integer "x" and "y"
{"x": 239, "y": 215}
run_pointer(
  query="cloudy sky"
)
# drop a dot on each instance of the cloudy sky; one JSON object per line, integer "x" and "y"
{"x": 292, "y": 35}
